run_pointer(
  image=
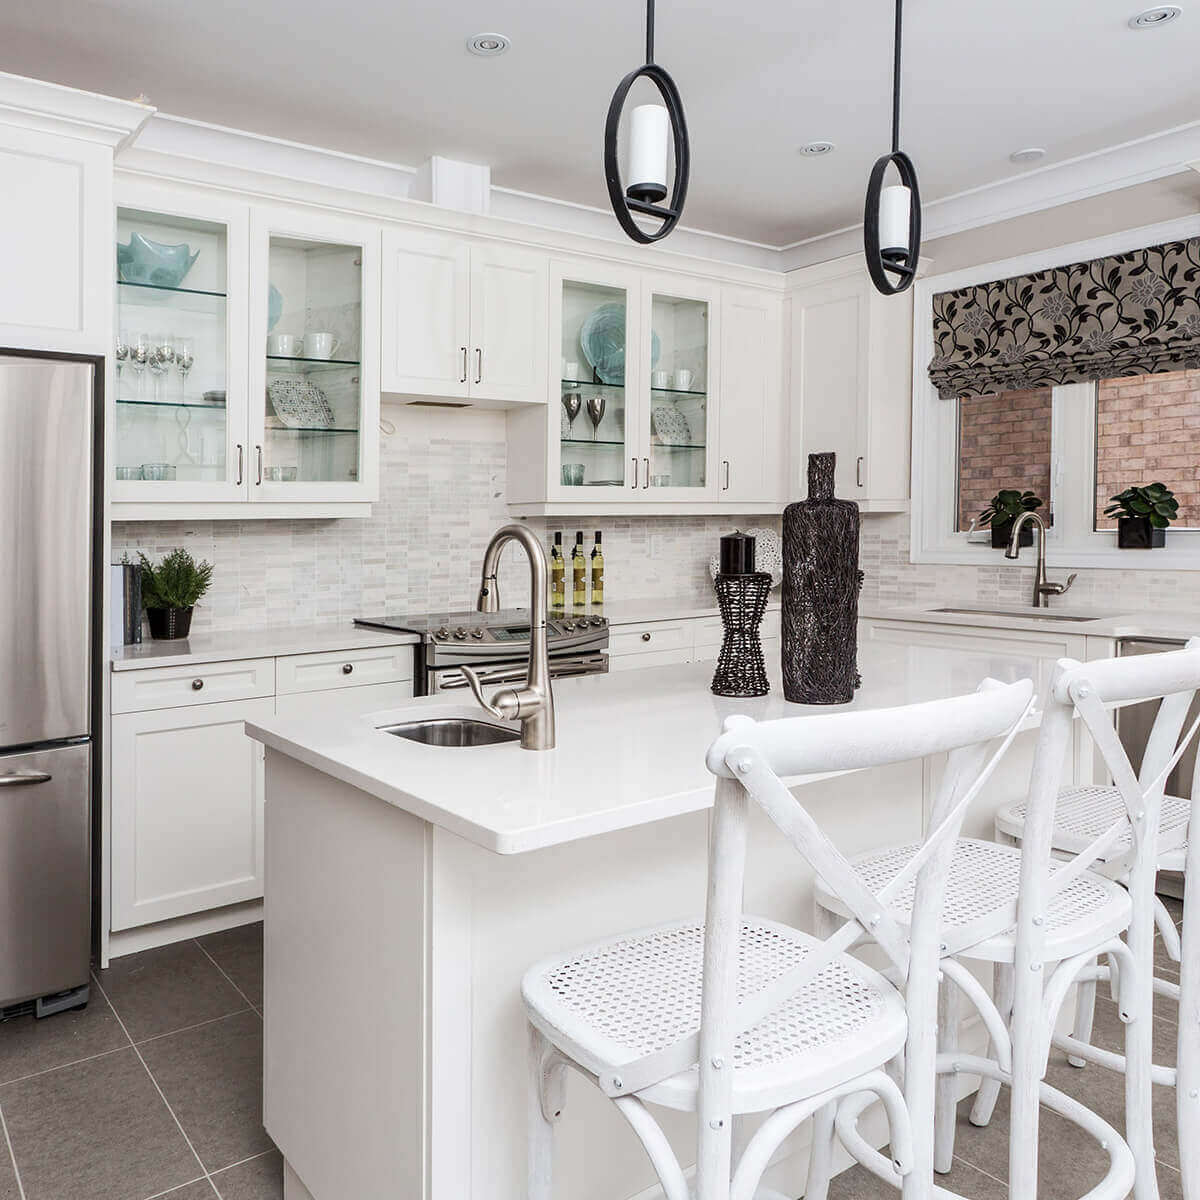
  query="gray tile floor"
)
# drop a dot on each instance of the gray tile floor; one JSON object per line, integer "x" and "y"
{"x": 154, "y": 1090}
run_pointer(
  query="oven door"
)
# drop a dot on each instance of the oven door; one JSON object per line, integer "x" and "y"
{"x": 448, "y": 679}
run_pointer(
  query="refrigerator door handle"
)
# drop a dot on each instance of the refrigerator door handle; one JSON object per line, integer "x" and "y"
{"x": 24, "y": 778}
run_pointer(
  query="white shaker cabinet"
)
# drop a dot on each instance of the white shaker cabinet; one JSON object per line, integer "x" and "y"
{"x": 463, "y": 321}
{"x": 850, "y": 384}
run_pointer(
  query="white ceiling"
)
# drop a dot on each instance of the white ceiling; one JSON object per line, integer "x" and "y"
{"x": 394, "y": 81}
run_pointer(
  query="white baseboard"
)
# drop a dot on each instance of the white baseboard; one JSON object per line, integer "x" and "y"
{"x": 163, "y": 933}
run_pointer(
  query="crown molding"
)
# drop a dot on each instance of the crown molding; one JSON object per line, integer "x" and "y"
{"x": 52, "y": 108}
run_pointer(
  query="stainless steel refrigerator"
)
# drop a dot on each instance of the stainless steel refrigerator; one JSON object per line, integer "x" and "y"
{"x": 50, "y": 424}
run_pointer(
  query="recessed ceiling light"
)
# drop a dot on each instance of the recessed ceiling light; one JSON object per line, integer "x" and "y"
{"x": 1152, "y": 18}
{"x": 1028, "y": 155}
{"x": 487, "y": 45}
{"x": 816, "y": 149}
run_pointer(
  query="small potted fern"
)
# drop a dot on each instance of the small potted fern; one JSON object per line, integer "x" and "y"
{"x": 170, "y": 592}
{"x": 1003, "y": 509}
{"x": 1143, "y": 514}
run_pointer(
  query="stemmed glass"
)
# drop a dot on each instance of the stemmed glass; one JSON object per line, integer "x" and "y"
{"x": 162, "y": 355}
{"x": 139, "y": 357}
{"x": 121, "y": 354}
{"x": 595, "y": 412}
{"x": 185, "y": 359}
{"x": 572, "y": 402}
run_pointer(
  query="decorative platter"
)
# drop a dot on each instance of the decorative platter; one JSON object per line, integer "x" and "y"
{"x": 299, "y": 403}
{"x": 602, "y": 339}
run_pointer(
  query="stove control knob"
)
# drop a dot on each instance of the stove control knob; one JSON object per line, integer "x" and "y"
{"x": 460, "y": 633}
{"x": 441, "y": 633}
{"x": 477, "y": 633}
{"x": 597, "y": 622}
{"x": 570, "y": 626}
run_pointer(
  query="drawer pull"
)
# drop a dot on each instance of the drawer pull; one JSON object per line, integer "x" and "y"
{"x": 24, "y": 778}
{"x": 347, "y": 668}
{"x": 197, "y": 684}
{"x": 645, "y": 637}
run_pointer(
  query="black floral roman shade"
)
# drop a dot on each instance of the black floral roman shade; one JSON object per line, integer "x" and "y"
{"x": 1129, "y": 314}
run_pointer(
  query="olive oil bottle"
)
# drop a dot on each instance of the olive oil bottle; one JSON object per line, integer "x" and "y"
{"x": 578, "y": 573}
{"x": 558, "y": 575}
{"x": 597, "y": 573}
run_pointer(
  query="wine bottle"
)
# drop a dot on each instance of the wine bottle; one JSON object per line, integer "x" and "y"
{"x": 597, "y": 573}
{"x": 578, "y": 573}
{"x": 558, "y": 574}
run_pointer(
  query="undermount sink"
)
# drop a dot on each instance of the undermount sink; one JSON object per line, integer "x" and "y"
{"x": 455, "y": 732}
{"x": 1035, "y": 614}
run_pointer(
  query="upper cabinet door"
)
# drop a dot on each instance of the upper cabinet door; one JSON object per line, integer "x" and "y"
{"x": 678, "y": 378}
{"x": 180, "y": 430}
{"x": 753, "y": 424}
{"x": 427, "y": 316}
{"x": 509, "y": 337}
{"x": 314, "y": 289}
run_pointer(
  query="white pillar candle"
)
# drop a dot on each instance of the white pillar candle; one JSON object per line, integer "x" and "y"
{"x": 894, "y": 206}
{"x": 650, "y": 128}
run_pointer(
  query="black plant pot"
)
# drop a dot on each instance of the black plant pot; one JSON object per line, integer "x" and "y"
{"x": 1002, "y": 534}
{"x": 1136, "y": 533}
{"x": 169, "y": 623}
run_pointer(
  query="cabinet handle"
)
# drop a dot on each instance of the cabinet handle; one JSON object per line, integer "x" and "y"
{"x": 347, "y": 668}
{"x": 645, "y": 637}
{"x": 726, "y": 487}
{"x": 858, "y": 471}
{"x": 241, "y": 463}
{"x": 634, "y": 473}
{"x": 478, "y": 364}
{"x": 258, "y": 451}
{"x": 197, "y": 685}
{"x": 24, "y": 778}
{"x": 646, "y": 468}
{"x": 464, "y": 369}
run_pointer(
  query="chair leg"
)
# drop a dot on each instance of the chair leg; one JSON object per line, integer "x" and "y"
{"x": 1028, "y": 1068}
{"x": 820, "y": 1161}
{"x": 946, "y": 1110}
{"x": 989, "y": 1089}
{"x": 1085, "y": 1013}
{"x": 1138, "y": 993}
{"x": 1187, "y": 1079}
{"x": 544, "y": 1104}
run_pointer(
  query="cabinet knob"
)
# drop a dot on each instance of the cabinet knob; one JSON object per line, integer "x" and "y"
{"x": 645, "y": 637}
{"x": 347, "y": 668}
{"x": 197, "y": 684}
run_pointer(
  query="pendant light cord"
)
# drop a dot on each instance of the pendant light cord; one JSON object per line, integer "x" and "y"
{"x": 895, "y": 80}
{"x": 649, "y": 32}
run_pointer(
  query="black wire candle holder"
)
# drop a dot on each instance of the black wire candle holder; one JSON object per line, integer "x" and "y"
{"x": 742, "y": 600}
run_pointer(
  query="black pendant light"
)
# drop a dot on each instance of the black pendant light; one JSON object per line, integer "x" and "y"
{"x": 648, "y": 150}
{"x": 892, "y": 221}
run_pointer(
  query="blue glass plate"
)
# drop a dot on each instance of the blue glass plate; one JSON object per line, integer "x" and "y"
{"x": 602, "y": 339}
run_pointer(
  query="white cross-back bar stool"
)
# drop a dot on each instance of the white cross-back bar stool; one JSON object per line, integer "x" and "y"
{"x": 1045, "y": 920}
{"x": 737, "y": 1014}
{"x": 1081, "y": 816}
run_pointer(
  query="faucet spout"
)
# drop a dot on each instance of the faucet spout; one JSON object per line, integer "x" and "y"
{"x": 1042, "y": 588}
{"x": 532, "y": 704}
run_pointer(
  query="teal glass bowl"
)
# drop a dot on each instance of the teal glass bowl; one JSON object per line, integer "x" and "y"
{"x": 155, "y": 263}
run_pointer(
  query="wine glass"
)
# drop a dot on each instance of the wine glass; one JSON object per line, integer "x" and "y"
{"x": 572, "y": 402}
{"x": 139, "y": 357}
{"x": 121, "y": 354}
{"x": 185, "y": 359}
{"x": 595, "y": 412}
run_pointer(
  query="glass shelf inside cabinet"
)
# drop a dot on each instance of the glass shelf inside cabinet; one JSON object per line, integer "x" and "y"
{"x": 313, "y": 360}
{"x": 171, "y": 347}
{"x": 678, "y": 392}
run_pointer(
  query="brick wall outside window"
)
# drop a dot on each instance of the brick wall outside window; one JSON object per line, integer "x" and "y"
{"x": 1147, "y": 429}
{"x": 1003, "y": 442}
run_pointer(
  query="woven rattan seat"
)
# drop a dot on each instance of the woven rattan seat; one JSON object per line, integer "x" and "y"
{"x": 984, "y": 877}
{"x": 1082, "y": 814}
{"x": 633, "y": 995}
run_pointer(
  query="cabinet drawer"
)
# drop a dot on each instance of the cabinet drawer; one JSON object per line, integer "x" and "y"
{"x": 645, "y": 639}
{"x": 342, "y": 668}
{"x": 173, "y": 687}
{"x": 344, "y": 701}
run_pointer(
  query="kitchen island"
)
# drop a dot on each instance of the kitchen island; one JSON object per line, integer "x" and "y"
{"x": 408, "y": 887}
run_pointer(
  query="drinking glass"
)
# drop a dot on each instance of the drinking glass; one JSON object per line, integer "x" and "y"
{"x": 121, "y": 354}
{"x": 185, "y": 359}
{"x": 572, "y": 402}
{"x": 162, "y": 355}
{"x": 139, "y": 357}
{"x": 595, "y": 412}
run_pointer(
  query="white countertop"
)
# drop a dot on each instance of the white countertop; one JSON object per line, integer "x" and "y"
{"x": 1167, "y": 624}
{"x": 267, "y": 642}
{"x": 630, "y": 746}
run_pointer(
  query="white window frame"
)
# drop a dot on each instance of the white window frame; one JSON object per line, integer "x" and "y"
{"x": 1071, "y": 542}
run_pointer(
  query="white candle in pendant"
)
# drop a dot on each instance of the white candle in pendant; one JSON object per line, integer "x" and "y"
{"x": 895, "y": 204}
{"x": 650, "y": 128}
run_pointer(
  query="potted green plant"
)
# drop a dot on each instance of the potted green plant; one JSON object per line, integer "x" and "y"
{"x": 1143, "y": 514}
{"x": 1003, "y": 509}
{"x": 170, "y": 592}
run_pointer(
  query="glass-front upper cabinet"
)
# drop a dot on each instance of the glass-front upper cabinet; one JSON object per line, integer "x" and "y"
{"x": 180, "y": 320}
{"x": 677, "y": 440}
{"x": 315, "y": 284}
{"x": 598, "y": 319}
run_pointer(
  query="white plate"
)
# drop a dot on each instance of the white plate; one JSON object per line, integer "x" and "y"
{"x": 671, "y": 426}
{"x": 299, "y": 403}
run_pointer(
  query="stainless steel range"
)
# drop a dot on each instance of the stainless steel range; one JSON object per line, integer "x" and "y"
{"x": 496, "y": 645}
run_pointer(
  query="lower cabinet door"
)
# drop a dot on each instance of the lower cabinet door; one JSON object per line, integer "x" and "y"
{"x": 187, "y": 810}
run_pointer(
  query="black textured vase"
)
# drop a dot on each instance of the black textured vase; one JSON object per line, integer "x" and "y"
{"x": 169, "y": 623}
{"x": 821, "y": 582}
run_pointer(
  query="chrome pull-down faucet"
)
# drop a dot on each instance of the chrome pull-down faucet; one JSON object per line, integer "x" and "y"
{"x": 1042, "y": 588}
{"x": 533, "y": 704}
